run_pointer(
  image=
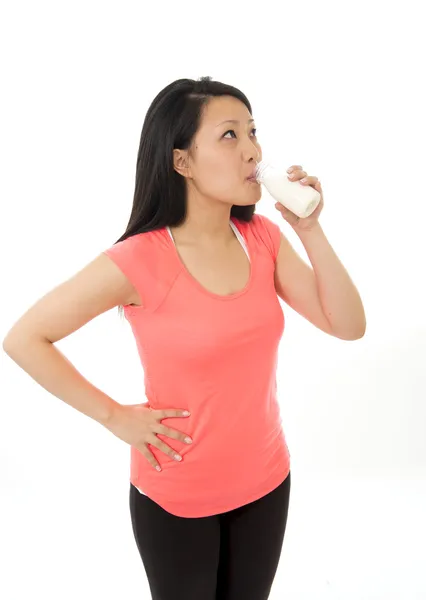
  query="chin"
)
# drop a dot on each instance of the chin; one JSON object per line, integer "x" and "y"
{"x": 254, "y": 197}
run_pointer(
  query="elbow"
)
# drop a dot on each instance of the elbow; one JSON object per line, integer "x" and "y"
{"x": 7, "y": 345}
{"x": 356, "y": 332}
{"x": 354, "y": 335}
{"x": 15, "y": 343}
{"x": 362, "y": 329}
{"x": 11, "y": 345}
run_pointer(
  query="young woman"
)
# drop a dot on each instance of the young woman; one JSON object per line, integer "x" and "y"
{"x": 199, "y": 275}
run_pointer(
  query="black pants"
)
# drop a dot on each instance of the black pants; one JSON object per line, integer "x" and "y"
{"x": 228, "y": 556}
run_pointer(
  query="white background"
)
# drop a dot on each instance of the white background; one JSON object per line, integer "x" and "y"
{"x": 336, "y": 87}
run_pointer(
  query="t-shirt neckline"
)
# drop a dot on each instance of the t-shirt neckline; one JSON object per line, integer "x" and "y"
{"x": 204, "y": 290}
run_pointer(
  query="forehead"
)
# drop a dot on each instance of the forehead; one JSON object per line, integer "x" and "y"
{"x": 222, "y": 108}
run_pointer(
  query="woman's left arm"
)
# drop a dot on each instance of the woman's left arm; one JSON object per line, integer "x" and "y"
{"x": 324, "y": 294}
{"x": 340, "y": 299}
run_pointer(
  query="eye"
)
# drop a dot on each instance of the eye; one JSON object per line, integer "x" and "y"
{"x": 254, "y": 131}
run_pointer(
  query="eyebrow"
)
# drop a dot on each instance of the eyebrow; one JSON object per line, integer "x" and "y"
{"x": 234, "y": 121}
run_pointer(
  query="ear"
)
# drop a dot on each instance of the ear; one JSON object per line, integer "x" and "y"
{"x": 181, "y": 162}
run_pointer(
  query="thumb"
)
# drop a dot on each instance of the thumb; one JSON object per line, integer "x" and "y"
{"x": 289, "y": 216}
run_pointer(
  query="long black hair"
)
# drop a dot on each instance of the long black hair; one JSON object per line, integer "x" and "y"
{"x": 172, "y": 121}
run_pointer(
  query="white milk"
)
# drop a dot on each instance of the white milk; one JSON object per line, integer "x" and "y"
{"x": 301, "y": 199}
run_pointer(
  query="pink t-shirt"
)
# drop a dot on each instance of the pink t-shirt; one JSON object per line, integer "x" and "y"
{"x": 215, "y": 356}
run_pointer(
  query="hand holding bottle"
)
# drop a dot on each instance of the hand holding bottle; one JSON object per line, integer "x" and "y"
{"x": 299, "y": 196}
{"x": 296, "y": 173}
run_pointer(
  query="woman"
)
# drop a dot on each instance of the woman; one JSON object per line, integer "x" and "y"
{"x": 198, "y": 275}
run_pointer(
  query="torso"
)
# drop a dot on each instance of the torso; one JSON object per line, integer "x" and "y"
{"x": 222, "y": 271}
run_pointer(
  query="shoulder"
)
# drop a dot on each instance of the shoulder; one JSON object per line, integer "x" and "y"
{"x": 146, "y": 261}
{"x": 267, "y": 231}
{"x": 135, "y": 247}
{"x": 132, "y": 242}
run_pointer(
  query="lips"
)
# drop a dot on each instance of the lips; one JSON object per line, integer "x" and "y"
{"x": 252, "y": 176}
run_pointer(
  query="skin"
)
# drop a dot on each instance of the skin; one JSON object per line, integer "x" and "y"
{"x": 215, "y": 169}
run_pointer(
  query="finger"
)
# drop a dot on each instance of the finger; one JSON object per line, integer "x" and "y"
{"x": 169, "y": 412}
{"x": 155, "y": 441}
{"x": 311, "y": 180}
{"x": 289, "y": 216}
{"x": 150, "y": 457}
{"x": 296, "y": 175}
{"x": 294, "y": 168}
{"x": 173, "y": 433}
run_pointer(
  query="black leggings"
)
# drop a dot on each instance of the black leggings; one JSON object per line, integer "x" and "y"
{"x": 228, "y": 556}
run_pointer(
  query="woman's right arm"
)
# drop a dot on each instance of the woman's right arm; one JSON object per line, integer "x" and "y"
{"x": 93, "y": 290}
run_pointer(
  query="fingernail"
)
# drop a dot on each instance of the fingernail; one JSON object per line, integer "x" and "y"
{"x": 290, "y": 170}
{"x": 177, "y": 457}
{"x": 188, "y": 440}
{"x": 304, "y": 180}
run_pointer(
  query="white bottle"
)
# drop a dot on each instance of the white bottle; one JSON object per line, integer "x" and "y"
{"x": 301, "y": 199}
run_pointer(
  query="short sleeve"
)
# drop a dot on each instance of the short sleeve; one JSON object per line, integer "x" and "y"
{"x": 128, "y": 256}
{"x": 271, "y": 234}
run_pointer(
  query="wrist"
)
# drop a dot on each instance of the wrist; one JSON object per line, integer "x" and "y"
{"x": 312, "y": 229}
{"x": 111, "y": 414}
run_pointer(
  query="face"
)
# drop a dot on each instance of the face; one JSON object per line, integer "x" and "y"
{"x": 223, "y": 154}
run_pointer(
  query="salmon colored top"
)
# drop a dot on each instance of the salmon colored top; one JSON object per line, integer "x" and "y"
{"x": 216, "y": 356}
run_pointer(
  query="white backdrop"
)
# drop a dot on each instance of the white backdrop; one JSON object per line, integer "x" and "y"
{"x": 335, "y": 87}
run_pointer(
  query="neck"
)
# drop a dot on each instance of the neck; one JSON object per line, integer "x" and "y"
{"x": 205, "y": 229}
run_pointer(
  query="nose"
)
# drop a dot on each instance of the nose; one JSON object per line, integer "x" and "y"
{"x": 252, "y": 151}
